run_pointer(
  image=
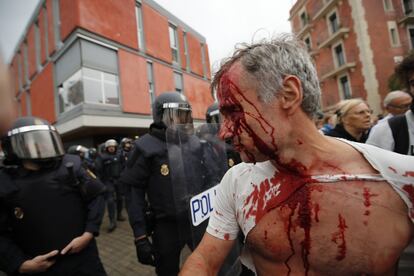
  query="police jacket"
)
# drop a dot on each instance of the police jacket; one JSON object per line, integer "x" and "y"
{"x": 169, "y": 174}
{"x": 45, "y": 210}
{"x": 108, "y": 166}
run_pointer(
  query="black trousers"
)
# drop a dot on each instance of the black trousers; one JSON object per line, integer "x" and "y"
{"x": 169, "y": 239}
{"x": 85, "y": 263}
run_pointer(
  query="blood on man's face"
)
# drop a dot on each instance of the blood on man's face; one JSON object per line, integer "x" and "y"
{"x": 245, "y": 118}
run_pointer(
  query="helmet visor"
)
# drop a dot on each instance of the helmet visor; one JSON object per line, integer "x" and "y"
{"x": 177, "y": 114}
{"x": 38, "y": 144}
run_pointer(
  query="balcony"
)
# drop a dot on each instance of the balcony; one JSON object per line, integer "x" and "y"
{"x": 333, "y": 38}
{"x": 349, "y": 66}
{"x": 305, "y": 29}
{"x": 327, "y": 7}
{"x": 408, "y": 18}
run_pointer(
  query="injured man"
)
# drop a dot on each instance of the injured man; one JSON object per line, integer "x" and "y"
{"x": 307, "y": 204}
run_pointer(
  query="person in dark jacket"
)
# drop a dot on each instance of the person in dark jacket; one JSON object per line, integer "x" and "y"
{"x": 353, "y": 121}
{"x": 51, "y": 208}
{"x": 149, "y": 175}
{"x": 108, "y": 167}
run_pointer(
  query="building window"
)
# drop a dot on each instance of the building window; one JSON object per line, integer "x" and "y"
{"x": 339, "y": 55}
{"x": 19, "y": 106}
{"x": 203, "y": 60}
{"x": 393, "y": 31}
{"x": 333, "y": 23}
{"x": 345, "y": 87}
{"x": 25, "y": 63}
{"x": 411, "y": 34}
{"x": 186, "y": 53}
{"x": 151, "y": 86}
{"x": 388, "y": 5}
{"x": 88, "y": 86}
{"x": 19, "y": 71}
{"x": 140, "y": 27}
{"x": 56, "y": 23}
{"x": 178, "y": 79}
{"x": 408, "y": 6}
{"x": 174, "y": 43}
{"x": 308, "y": 43}
{"x": 304, "y": 19}
{"x": 38, "y": 47}
{"x": 28, "y": 103}
{"x": 45, "y": 32}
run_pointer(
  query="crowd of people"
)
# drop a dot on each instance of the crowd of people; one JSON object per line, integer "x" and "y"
{"x": 291, "y": 200}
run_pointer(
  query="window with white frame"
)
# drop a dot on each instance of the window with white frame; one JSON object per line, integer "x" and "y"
{"x": 304, "y": 19}
{"x": 345, "y": 87}
{"x": 28, "y": 103}
{"x": 174, "y": 43}
{"x": 140, "y": 26}
{"x": 25, "y": 62}
{"x": 393, "y": 31}
{"x": 408, "y": 6}
{"x": 178, "y": 80}
{"x": 333, "y": 22}
{"x": 56, "y": 23}
{"x": 308, "y": 43}
{"x": 88, "y": 86}
{"x": 339, "y": 55}
{"x": 19, "y": 71}
{"x": 38, "y": 47}
{"x": 186, "y": 53}
{"x": 411, "y": 36}
{"x": 151, "y": 86}
{"x": 388, "y": 6}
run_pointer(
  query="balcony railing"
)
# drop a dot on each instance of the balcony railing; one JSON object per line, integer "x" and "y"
{"x": 333, "y": 38}
{"x": 325, "y": 9}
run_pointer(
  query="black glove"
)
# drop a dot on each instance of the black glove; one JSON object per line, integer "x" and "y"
{"x": 145, "y": 252}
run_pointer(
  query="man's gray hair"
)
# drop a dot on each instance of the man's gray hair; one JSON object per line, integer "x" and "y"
{"x": 267, "y": 62}
{"x": 394, "y": 95}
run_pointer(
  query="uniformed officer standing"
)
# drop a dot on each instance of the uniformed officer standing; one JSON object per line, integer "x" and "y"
{"x": 125, "y": 150}
{"x": 148, "y": 175}
{"x": 108, "y": 167}
{"x": 50, "y": 206}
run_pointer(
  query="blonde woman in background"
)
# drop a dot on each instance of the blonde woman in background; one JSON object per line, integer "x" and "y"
{"x": 353, "y": 120}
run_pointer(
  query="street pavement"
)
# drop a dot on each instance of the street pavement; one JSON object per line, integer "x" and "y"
{"x": 117, "y": 251}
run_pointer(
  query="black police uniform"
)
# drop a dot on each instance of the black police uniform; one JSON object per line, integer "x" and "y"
{"x": 108, "y": 167}
{"x": 148, "y": 173}
{"x": 42, "y": 211}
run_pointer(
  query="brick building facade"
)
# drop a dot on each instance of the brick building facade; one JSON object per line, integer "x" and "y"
{"x": 355, "y": 44}
{"x": 94, "y": 67}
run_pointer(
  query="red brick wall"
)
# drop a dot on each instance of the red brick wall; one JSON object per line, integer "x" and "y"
{"x": 194, "y": 49}
{"x": 31, "y": 51}
{"x": 156, "y": 34}
{"x": 23, "y": 104}
{"x": 133, "y": 83}
{"x": 51, "y": 36}
{"x": 14, "y": 75}
{"x": 198, "y": 94}
{"x": 163, "y": 77}
{"x": 69, "y": 15}
{"x": 207, "y": 61}
{"x": 42, "y": 95}
{"x": 111, "y": 19}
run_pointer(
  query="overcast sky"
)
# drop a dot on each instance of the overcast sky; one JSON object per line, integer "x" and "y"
{"x": 223, "y": 22}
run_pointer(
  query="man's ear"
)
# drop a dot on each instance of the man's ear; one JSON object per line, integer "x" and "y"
{"x": 291, "y": 94}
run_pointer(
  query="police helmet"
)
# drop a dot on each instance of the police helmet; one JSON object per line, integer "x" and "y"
{"x": 213, "y": 114}
{"x": 172, "y": 108}
{"x": 92, "y": 153}
{"x": 78, "y": 150}
{"x": 111, "y": 143}
{"x": 32, "y": 138}
{"x": 126, "y": 143}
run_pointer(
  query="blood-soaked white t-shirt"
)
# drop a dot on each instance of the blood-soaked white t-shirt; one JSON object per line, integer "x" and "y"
{"x": 234, "y": 208}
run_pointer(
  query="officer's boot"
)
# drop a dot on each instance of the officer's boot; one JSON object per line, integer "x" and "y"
{"x": 120, "y": 217}
{"x": 112, "y": 226}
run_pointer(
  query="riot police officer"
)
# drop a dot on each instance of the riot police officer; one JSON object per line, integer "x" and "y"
{"x": 50, "y": 207}
{"x": 108, "y": 167}
{"x": 148, "y": 174}
{"x": 125, "y": 150}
